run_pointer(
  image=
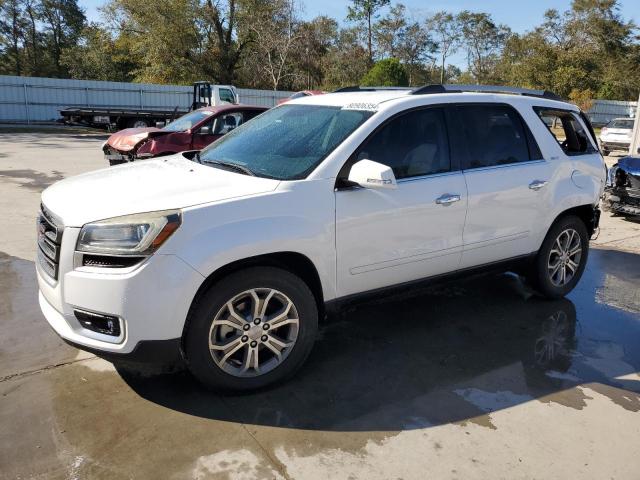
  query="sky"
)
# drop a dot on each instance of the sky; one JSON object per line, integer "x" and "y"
{"x": 519, "y": 15}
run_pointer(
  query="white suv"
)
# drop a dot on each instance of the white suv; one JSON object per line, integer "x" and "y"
{"x": 227, "y": 259}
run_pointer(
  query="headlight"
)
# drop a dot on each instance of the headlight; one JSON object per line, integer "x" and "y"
{"x": 139, "y": 234}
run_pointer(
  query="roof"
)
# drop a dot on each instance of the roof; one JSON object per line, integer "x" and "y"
{"x": 379, "y": 99}
{"x": 232, "y": 106}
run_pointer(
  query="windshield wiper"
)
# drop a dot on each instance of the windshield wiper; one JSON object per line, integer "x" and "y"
{"x": 232, "y": 166}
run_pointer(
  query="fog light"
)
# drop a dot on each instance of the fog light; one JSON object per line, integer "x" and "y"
{"x": 96, "y": 322}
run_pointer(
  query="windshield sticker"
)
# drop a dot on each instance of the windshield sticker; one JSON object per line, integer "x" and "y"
{"x": 369, "y": 107}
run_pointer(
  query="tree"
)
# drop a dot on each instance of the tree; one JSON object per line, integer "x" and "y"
{"x": 221, "y": 23}
{"x": 345, "y": 62}
{"x": 483, "y": 40}
{"x": 316, "y": 39}
{"x": 365, "y": 12}
{"x": 447, "y": 32}
{"x": 386, "y": 73}
{"x": 396, "y": 36}
{"x": 99, "y": 56}
{"x": 63, "y": 21}
{"x": 275, "y": 35}
{"x": 12, "y": 25}
{"x": 586, "y": 52}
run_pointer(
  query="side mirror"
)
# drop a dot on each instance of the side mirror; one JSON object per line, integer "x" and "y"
{"x": 160, "y": 124}
{"x": 370, "y": 174}
{"x": 206, "y": 130}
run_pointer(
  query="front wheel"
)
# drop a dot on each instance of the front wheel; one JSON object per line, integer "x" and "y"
{"x": 562, "y": 258}
{"x": 252, "y": 329}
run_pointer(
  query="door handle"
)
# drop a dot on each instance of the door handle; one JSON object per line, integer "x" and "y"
{"x": 447, "y": 199}
{"x": 537, "y": 184}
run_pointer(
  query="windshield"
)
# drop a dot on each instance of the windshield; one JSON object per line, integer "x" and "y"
{"x": 187, "y": 121}
{"x": 621, "y": 123}
{"x": 286, "y": 143}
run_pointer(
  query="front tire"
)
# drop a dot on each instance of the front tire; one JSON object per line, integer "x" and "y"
{"x": 562, "y": 258}
{"x": 252, "y": 329}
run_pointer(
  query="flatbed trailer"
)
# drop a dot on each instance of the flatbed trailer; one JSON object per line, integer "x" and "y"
{"x": 119, "y": 118}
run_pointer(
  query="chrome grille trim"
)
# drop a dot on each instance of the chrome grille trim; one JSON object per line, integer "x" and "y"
{"x": 50, "y": 231}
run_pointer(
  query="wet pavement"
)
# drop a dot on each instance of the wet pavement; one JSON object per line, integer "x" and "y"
{"x": 457, "y": 356}
{"x": 477, "y": 379}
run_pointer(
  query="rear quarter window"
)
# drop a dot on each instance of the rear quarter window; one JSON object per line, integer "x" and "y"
{"x": 567, "y": 130}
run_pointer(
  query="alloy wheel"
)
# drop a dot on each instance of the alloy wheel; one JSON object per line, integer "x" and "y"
{"x": 253, "y": 332}
{"x": 564, "y": 257}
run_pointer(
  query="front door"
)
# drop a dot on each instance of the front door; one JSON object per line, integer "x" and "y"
{"x": 387, "y": 237}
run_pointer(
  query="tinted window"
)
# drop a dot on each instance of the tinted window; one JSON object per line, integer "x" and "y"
{"x": 412, "y": 144}
{"x": 494, "y": 135}
{"x": 567, "y": 130}
{"x": 287, "y": 142}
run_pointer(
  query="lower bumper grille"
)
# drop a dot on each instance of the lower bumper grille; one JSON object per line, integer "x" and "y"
{"x": 49, "y": 242}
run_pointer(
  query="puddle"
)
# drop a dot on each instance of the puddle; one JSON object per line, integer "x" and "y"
{"x": 456, "y": 367}
{"x": 32, "y": 179}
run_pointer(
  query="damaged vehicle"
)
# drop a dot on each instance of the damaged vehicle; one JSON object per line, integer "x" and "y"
{"x": 193, "y": 131}
{"x": 622, "y": 194}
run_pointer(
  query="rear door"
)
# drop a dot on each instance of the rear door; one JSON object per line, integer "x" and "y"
{"x": 506, "y": 179}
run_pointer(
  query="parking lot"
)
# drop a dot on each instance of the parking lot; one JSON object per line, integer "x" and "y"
{"x": 478, "y": 379}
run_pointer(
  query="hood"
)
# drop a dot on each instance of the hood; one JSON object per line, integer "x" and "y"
{"x": 150, "y": 185}
{"x": 630, "y": 164}
{"x": 125, "y": 140}
{"x": 626, "y": 174}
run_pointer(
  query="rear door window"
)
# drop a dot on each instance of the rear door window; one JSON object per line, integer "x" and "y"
{"x": 495, "y": 135}
{"x": 565, "y": 127}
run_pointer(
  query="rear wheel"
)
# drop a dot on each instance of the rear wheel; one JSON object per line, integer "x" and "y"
{"x": 137, "y": 123}
{"x": 252, "y": 329}
{"x": 562, "y": 258}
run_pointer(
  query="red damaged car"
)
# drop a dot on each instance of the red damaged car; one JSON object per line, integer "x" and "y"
{"x": 192, "y": 131}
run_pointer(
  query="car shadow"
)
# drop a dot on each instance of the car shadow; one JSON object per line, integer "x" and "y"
{"x": 449, "y": 354}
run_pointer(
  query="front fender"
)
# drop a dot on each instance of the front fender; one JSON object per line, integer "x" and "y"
{"x": 220, "y": 234}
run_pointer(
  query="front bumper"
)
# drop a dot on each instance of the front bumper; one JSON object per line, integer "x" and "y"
{"x": 619, "y": 201}
{"x": 150, "y": 301}
{"x": 614, "y": 145}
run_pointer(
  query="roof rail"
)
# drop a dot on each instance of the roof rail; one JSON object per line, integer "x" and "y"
{"x": 449, "y": 88}
{"x": 357, "y": 88}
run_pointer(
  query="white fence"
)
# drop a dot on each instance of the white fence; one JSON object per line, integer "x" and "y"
{"x": 31, "y": 99}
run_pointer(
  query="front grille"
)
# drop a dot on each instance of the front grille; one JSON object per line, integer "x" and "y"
{"x": 49, "y": 242}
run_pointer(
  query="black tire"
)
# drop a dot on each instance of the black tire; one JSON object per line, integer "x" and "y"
{"x": 196, "y": 340}
{"x": 138, "y": 123}
{"x": 605, "y": 152}
{"x": 539, "y": 277}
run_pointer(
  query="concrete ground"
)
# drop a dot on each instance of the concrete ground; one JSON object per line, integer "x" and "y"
{"x": 480, "y": 379}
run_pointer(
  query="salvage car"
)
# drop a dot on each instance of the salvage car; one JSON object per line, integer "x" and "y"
{"x": 227, "y": 259}
{"x": 192, "y": 131}
{"x": 622, "y": 195}
{"x": 616, "y": 135}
